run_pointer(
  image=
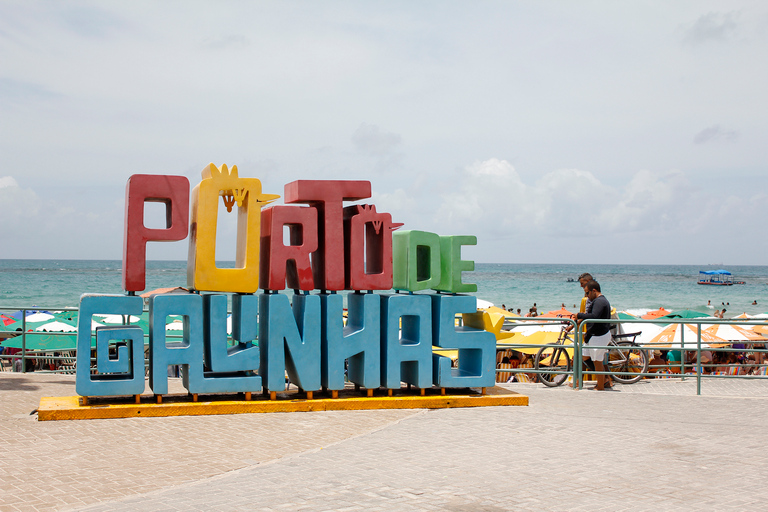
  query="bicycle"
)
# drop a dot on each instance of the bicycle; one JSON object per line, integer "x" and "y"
{"x": 626, "y": 361}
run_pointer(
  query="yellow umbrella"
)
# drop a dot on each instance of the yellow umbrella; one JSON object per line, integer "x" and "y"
{"x": 494, "y": 309}
{"x": 452, "y": 353}
{"x": 536, "y": 338}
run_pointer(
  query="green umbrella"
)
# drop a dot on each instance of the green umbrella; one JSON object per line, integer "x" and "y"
{"x": 685, "y": 313}
{"x": 44, "y": 341}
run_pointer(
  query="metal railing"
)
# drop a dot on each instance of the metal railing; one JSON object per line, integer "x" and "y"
{"x": 757, "y": 369}
{"x": 42, "y": 360}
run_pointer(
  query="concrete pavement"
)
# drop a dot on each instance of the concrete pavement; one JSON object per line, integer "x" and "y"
{"x": 649, "y": 446}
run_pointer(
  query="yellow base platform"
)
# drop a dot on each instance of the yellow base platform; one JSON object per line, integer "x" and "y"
{"x": 71, "y": 408}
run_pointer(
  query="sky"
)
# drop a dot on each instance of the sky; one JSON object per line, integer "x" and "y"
{"x": 556, "y": 132}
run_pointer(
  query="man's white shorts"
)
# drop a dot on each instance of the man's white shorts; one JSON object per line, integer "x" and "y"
{"x": 597, "y": 354}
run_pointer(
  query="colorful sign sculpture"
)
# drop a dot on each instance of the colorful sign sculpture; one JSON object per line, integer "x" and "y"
{"x": 387, "y": 339}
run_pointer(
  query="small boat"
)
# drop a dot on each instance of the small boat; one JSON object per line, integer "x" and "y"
{"x": 717, "y": 277}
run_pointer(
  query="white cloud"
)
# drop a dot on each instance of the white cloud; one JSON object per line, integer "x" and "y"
{"x": 492, "y": 200}
{"x": 397, "y": 201}
{"x": 16, "y": 202}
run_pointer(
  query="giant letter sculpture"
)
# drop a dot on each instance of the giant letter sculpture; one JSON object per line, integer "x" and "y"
{"x": 173, "y": 191}
{"x": 121, "y": 376}
{"x": 477, "y": 348}
{"x": 358, "y": 342}
{"x": 292, "y": 262}
{"x": 202, "y": 273}
{"x": 328, "y": 197}
{"x": 406, "y": 353}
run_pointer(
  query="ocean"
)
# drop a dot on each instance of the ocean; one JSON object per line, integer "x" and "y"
{"x": 59, "y": 283}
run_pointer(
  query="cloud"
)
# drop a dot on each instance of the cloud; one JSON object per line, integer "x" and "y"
{"x": 398, "y": 201}
{"x": 713, "y": 26}
{"x": 368, "y": 138}
{"x": 714, "y": 134}
{"x": 491, "y": 198}
{"x": 16, "y": 202}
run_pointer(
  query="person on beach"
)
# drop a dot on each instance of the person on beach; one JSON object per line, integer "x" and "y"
{"x": 583, "y": 280}
{"x": 598, "y": 334}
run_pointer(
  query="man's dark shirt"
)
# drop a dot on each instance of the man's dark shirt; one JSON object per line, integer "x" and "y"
{"x": 600, "y": 308}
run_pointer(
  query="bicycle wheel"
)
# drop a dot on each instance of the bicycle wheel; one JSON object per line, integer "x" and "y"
{"x": 556, "y": 362}
{"x": 626, "y": 358}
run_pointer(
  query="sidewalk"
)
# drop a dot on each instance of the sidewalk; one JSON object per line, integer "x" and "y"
{"x": 648, "y": 446}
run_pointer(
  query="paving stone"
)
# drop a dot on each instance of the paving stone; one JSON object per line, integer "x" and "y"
{"x": 648, "y": 446}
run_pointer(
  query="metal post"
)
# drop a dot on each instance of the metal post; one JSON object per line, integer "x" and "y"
{"x": 698, "y": 361}
{"x": 682, "y": 352}
{"x": 577, "y": 376}
{"x": 24, "y": 341}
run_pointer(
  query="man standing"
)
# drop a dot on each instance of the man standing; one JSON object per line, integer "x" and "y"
{"x": 598, "y": 334}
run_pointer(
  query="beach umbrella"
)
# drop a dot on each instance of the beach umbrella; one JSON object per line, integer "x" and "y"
{"x": 484, "y": 304}
{"x": 176, "y": 325}
{"x": 519, "y": 341}
{"x": 685, "y": 313}
{"x": 117, "y": 319}
{"x": 40, "y": 316}
{"x": 647, "y": 331}
{"x": 503, "y": 312}
{"x": 655, "y": 314}
{"x": 6, "y": 320}
{"x": 56, "y": 326}
{"x": 681, "y": 336}
{"x": 44, "y": 341}
{"x": 734, "y": 333}
{"x": 66, "y": 316}
{"x": 558, "y": 313}
{"x": 453, "y": 354}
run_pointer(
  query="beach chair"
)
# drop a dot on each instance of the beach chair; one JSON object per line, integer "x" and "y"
{"x": 68, "y": 365}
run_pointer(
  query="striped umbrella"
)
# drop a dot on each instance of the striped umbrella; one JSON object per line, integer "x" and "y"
{"x": 681, "y": 336}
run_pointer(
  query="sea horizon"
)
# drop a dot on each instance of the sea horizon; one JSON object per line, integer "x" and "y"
{"x": 60, "y": 282}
